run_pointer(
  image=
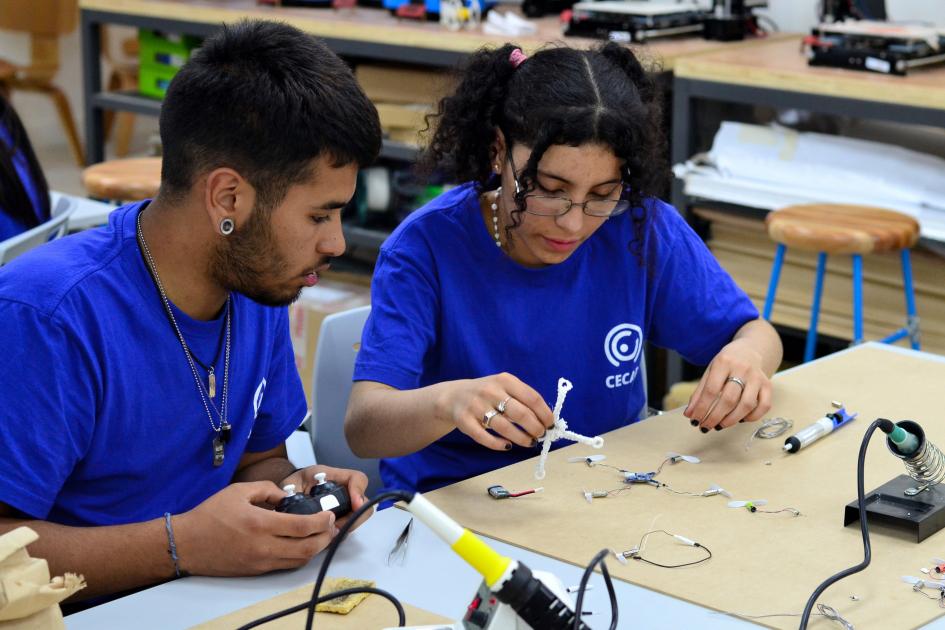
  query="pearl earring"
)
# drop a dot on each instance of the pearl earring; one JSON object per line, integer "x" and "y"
{"x": 495, "y": 217}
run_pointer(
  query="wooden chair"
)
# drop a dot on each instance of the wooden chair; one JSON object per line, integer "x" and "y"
{"x": 45, "y": 21}
{"x": 123, "y": 77}
{"x": 131, "y": 179}
{"x": 854, "y": 231}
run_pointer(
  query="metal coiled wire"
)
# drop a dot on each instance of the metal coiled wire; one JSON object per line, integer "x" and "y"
{"x": 927, "y": 466}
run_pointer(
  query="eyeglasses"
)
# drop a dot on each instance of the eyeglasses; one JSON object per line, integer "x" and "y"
{"x": 549, "y": 206}
{"x": 559, "y": 206}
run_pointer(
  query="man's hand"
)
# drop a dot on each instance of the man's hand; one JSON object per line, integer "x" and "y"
{"x": 235, "y": 532}
{"x": 354, "y": 481}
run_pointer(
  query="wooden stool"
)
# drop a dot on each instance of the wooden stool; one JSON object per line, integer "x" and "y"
{"x": 132, "y": 179}
{"x": 847, "y": 230}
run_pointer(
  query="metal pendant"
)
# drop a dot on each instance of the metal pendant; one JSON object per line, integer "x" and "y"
{"x": 212, "y": 383}
{"x": 217, "y": 451}
{"x": 225, "y": 431}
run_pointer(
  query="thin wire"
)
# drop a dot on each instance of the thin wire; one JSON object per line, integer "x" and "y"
{"x": 610, "y": 466}
{"x": 793, "y": 511}
{"x": 940, "y": 597}
{"x": 643, "y": 539}
{"x": 660, "y": 469}
{"x": 680, "y": 492}
{"x": 769, "y": 429}
{"x": 825, "y": 611}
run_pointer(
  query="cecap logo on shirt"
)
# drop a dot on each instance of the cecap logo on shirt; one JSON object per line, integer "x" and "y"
{"x": 258, "y": 398}
{"x": 623, "y": 344}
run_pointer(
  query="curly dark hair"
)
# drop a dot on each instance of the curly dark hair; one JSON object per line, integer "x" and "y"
{"x": 558, "y": 96}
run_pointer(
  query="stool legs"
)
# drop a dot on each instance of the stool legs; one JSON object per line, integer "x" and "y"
{"x": 815, "y": 307}
{"x": 911, "y": 329}
{"x": 857, "y": 299}
{"x": 773, "y": 284}
{"x": 912, "y": 318}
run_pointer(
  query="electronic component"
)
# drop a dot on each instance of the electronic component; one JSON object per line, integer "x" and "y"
{"x": 875, "y": 46}
{"x": 755, "y": 505}
{"x": 590, "y": 460}
{"x": 634, "y": 20}
{"x": 731, "y": 20}
{"x": 499, "y": 492}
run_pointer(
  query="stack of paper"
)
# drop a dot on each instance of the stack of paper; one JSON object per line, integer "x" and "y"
{"x": 772, "y": 167}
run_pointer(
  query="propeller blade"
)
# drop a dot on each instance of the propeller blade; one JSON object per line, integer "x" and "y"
{"x": 721, "y": 490}
{"x": 675, "y": 457}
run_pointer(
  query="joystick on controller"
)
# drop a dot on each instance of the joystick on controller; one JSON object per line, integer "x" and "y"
{"x": 331, "y": 496}
{"x": 324, "y": 496}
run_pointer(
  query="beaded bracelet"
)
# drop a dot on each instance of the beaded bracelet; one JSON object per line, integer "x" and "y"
{"x": 172, "y": 545}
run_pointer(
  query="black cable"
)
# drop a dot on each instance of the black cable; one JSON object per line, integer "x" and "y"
{"x": 887, "y": 427}
{"x": 402, "y": 616}
{"x": 678, "y": 566}
{"x": 598, "y": 559}
{"x": 392, "y": 495}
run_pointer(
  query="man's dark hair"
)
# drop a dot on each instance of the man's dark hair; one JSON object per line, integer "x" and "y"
{"x": 264, "y": 99}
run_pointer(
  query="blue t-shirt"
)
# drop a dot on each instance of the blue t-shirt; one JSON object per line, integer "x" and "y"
{"x": 101, "y": 422}
{"x": 447, "y": 304}
{"x": 9, "y": 226}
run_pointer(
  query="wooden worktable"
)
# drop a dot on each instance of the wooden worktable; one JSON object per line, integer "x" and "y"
{"x": 763, "y": 563}
{"x": 781, "y": 65}
{"x": 378, "y": 26}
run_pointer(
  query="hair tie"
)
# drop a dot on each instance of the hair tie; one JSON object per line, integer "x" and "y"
{"x": 517, "y": 58}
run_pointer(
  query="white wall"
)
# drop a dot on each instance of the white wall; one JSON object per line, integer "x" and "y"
{"x": 800, "y": 15}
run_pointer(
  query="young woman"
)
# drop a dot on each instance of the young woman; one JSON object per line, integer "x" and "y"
{"x": 24, "y": 195}
{"x": 555, "y": 259}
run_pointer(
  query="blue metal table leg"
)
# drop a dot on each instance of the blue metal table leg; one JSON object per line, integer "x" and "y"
{"x": 912, "y": 319}
{"x": 773, "y": 284}
{"x": 815, "y": 307}
{"x": 857, "y": 299}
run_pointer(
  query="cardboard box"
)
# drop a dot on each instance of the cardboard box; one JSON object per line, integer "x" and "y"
{"x": 306, "y": 315}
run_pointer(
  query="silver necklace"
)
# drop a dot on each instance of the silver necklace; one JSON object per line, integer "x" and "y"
{"x": 221, "y": 431}
{"x": 495, "y": 217}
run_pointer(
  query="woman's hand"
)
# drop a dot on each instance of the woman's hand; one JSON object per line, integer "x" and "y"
{"x": 734, "y": 388}
{"x": 495, "y": 411}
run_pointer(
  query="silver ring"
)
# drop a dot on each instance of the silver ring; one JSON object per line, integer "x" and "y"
{"x": 737, "y": 381}
{"x": 502, "y": 405}
{"x": 487, "y": 418}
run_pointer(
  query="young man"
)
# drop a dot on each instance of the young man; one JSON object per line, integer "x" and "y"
{"x": 148, "y": 382}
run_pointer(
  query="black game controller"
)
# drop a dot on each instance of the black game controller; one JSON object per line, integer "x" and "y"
{"x": 324, "y": 496}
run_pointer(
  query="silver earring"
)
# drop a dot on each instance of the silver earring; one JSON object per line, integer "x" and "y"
{"x": 495, "y": 217}
{"x": 227, "y": 226}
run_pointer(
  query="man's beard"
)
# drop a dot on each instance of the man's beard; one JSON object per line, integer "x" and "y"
{"x": 248, "y": 262}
